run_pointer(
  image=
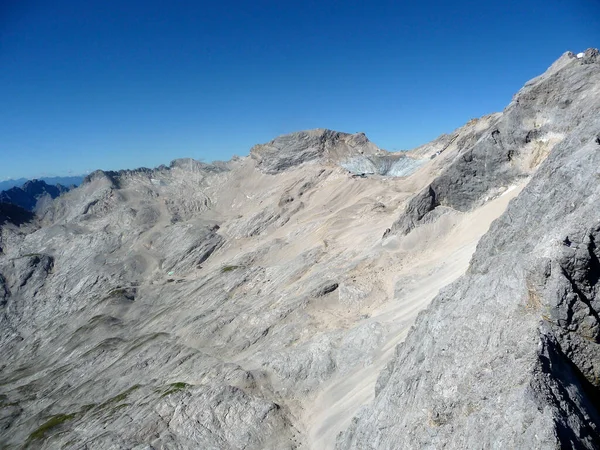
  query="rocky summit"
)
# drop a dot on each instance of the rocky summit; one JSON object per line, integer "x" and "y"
{"x": 320, "y": 293}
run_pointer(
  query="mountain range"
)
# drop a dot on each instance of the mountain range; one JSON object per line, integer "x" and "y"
{"x": 320, "y": 292}
{"x": 64, "y": 181}
{"x": 32, "y": 194}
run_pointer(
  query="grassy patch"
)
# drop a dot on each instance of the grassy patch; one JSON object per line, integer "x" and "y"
{"x": 55, "y": 421}
{"x": 117, "y": 292}
{"x": 86, "y": 408}
{"x": 52, "y": 423}
{"x": 119, "y": 398}
{"x": 121, "y": 406}
{"x": 175, "y": 387}
{"x": 225, "y": 269}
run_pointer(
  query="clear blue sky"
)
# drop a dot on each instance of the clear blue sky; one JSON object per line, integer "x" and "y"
{"x": 122, "y": 84}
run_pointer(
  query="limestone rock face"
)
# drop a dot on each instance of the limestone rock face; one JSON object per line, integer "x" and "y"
{"x": 509, "y": 355}
{"x": 354, "y": 152}
{"x": 559, "y": 104}
{"x": 254, "y": 303}
{"x": 301, "y": 147}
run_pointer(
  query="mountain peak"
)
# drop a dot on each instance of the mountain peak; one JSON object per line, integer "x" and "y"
{"x": 291, "y": 150}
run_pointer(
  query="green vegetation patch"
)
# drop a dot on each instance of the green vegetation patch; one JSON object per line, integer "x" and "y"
{"x": 117, "y": 292}
{"x": 119, "y": 398}
{"x": 86, "y": 408}
{"x": 225, "y": 269}
{"x": 175, "y": 387}
{"x": 52, "y": 423}
{"x": 55, "y": 421}
{"x": 121, "y": 406}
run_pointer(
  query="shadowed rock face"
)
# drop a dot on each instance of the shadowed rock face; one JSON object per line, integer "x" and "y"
{"x": 253, "y": 304}
{"x": 557, "y": 105}
{"x": 13, "y": 214}
{"x": 31, "y": 193}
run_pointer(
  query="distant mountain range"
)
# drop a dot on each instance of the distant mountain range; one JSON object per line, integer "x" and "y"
{"x": 65, "y": 181}
{"x": 32, "y": 192}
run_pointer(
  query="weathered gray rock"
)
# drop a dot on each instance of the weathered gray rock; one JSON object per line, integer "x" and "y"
{"x": 508, "y": 356}
{"x": 353, "y": 152}
{"x": 323, "y": 145}
{"x": 119, "y": 331}
{"x": 541, "y": 114}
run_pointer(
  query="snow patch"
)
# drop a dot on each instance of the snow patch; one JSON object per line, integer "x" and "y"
{"x": 580, "y": 55}
{"x": 393, "y": 166}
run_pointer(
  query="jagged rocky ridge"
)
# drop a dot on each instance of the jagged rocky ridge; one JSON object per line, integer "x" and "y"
{"x": 541, "y": 114}
{"x": 251, "y": 304}
{"x": 34, "y": 194}
{"x": 74, "y": 180}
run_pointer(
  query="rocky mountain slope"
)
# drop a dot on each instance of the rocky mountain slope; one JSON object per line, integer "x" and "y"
{"x": 255, "y": 303}
{"x": 509, "y": 355}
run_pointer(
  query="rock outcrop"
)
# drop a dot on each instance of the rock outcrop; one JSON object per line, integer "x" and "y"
{"x": 354, "y": 152}
{"x": 509, "y": 355}
{"x": 293, "y": 149}
{"x": 542, "y": 114}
